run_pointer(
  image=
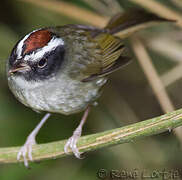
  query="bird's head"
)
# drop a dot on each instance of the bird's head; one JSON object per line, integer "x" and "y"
{"x": 37, "y": 56}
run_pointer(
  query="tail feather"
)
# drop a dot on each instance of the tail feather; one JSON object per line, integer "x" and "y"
{"x": 132, "y": 21}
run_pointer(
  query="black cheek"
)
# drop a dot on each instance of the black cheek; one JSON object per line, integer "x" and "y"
{"x": 13, "y": 56}
{"x": 12, "y": 59}
{"x": 54, "y": 61}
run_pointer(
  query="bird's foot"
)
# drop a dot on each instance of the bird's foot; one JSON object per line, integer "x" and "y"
{"x": 26, "y": 150}
{"x": 72, "y": 143}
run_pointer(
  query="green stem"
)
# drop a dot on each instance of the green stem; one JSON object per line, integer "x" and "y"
{"x": 104, "y": 139}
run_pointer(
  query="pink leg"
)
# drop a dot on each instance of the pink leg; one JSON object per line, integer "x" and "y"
{"x": 26, "y": 149}
{"x": 72, "y": 141}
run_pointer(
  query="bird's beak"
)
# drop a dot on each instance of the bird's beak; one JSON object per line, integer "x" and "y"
{"x": 19, "y": 67}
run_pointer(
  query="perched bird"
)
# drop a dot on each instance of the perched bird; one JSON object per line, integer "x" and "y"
{"x": 62, "y": 69}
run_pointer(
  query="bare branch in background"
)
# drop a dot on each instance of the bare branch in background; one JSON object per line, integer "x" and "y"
{"x": 172, "y": 76}
{"x": 151, "y": 74}
{"x": 166, "y": 46}
{"x": 160, "y": 9}
{"x": 70, "y": 10}
{"x": 178, "y": 3}
{"x": 154, "y": 80}
{"x": 99, "y": 6}
{"x": 113, "y": 6}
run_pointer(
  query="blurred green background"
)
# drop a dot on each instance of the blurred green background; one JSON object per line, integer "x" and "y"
{"x": 127, "y": 98}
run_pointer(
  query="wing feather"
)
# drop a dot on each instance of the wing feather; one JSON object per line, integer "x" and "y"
{"x": 111, "y": 49}
{"x": 98, "y": 55}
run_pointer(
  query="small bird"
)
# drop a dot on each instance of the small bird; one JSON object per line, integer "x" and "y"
{"x": 62, "y": 69}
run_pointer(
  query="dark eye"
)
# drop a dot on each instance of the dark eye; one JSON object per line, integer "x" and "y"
{"x": 42, "y": 63}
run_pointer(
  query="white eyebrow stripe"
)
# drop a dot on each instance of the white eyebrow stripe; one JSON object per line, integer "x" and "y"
{"x": 20, "y": 46}
{"x": 21, "y": 43}
{"x": 55, "y": 42}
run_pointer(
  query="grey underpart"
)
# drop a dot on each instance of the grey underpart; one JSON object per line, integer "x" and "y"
{"x": 60, "y": 94}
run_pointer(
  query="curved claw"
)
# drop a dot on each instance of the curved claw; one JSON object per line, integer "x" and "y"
{"x": 72, "y": 143}
{"x": 26, "y": 150}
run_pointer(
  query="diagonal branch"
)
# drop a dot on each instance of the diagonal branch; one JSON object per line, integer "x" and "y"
{"x": 71, "y": 11}
{"x": 96, "y": 141}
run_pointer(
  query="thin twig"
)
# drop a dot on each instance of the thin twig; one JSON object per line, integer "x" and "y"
{"x": 96, "y": 141}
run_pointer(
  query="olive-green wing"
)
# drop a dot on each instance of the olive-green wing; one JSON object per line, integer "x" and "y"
{"x": 93, "y": 56}
{"x": 112, "y": 56}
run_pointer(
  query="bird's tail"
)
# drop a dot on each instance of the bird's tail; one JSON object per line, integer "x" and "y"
{"x": 132, "y": 21}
